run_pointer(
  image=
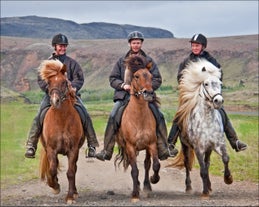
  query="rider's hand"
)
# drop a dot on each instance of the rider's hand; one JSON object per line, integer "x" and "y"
{"x": 126, "y": 87}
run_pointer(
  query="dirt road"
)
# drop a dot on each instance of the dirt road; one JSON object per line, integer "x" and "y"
{"x": 99, "y": 184}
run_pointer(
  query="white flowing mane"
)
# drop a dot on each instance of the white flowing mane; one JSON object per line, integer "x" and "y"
{"x": 189, "y": 87}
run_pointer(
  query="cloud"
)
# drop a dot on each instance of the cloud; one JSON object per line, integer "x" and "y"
{"x": 183, "y": 18}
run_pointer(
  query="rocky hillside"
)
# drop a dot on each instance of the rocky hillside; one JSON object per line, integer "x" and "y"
{"x": 21, "y": 56}
{"x": 44, "y": 27}
{"x": 238, "y": 56}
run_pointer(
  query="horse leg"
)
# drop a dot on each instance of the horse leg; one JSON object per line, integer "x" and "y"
{"x": 186, "y": 153}
{"x": 147, "y": 165}
{"x": 207, "y": 164}
{"x": 52, "y": 179}
{"x": 156, "y": 167}
{"x": 71, "y": 176}
{"x": 228, "y": 179}
{"x": 203, "y": 173}
{"x": 134, "y": 172}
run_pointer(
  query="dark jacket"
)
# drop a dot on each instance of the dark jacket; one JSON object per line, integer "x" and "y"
{"x": 193, "y": 57}
{"x": 74, "y": 73}
{"x": 116, "y": 77}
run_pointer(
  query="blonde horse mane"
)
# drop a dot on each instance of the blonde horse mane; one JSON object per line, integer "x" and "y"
{"x": 189, "y": 87}
{"x": 49, "y": 68}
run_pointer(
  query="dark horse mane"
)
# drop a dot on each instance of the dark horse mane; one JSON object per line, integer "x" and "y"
{"x": 50, "y": 68}
{"x": 133, "y": 64}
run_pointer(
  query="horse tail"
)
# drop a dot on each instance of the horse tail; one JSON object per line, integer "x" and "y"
{"x": 178, "y": 161}
{"x": 121, "y": 157}
{"x": 44, "y": 165}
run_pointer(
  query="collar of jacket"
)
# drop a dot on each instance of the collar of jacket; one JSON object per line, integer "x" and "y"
{"x": 61, "y": 58}
{"x": 141, "y": 52}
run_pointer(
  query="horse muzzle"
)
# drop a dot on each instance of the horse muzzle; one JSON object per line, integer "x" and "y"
{"x": 148, "y": 95}
{"x": 217, "y": 101}
{"x": 55, "y": 100}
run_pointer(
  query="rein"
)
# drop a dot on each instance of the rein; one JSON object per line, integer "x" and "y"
{"x": 207, "y": 95}
{"x": 138, "y": 93}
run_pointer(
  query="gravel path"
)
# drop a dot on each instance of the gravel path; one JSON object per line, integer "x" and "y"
{"x": 100, "y": 184}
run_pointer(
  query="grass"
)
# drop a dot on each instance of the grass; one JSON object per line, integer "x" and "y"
{"x": 16, "y": 120}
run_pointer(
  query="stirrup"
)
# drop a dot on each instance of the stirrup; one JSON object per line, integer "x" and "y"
{"x": 172, "y": 150}
{"x": 103, "y": 155}
{"x": 91, "y": 152}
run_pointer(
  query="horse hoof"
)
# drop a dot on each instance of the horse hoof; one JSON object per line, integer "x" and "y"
{"x": 205, "y": 196}
{"x": 70, "y": 201}
{"x": 134, "y": 200}
{"x": 154, "y": 179}
{"x": 75, "y": 196}
{"x": 188, "y": 190}
{"x": 55, "y": 191}
{"x": 228, "y": 180}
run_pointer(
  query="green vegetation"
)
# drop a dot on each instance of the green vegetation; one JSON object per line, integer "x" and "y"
{"x": 16, "y": 118}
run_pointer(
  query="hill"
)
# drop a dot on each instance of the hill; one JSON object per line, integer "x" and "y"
{"x": 238, "y": 56}
{"x": 44, "y": 27}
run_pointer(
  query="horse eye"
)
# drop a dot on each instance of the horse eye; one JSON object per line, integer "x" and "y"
{"x": 136, "y": 76}
{"x": 206, "y": 84}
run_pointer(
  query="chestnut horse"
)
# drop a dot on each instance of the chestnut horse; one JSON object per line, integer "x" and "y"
{"x": 62, "y": 128}
{"x": 138, "y": 126}
{"x": 200, "y": 122}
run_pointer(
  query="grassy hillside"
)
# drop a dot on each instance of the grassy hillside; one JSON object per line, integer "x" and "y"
{"x": 238, "y": 56}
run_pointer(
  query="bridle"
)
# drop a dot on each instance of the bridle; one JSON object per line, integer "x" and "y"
{"x": 61, "y": 94}
{"x": 207, "y": 95}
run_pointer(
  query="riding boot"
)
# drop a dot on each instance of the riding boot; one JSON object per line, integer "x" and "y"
{"x": 162, "y": 146}
{"x": 172, "y": 138}
{"x": 109, "y": 141}
{"x": 231, "y": 135}
{"x": 33, "y": 138}
{"x": 92, "y": 141}
{"x": 111, "y": 129}
{"x": 86, "y": 120}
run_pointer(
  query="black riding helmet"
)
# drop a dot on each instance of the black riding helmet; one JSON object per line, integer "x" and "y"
{"x": 199, "y": 38}
{"x": 59, "y": 39}
{"x": 135, "y": 35}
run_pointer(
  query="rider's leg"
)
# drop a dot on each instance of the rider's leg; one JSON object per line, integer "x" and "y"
{"x": 36, "y": 128}
{"x": 110, "y": 131}
{"x": 89, "y": 131}
{"x": 162, "y": 146}
{"x": 230, "y": 133}
{"x": 173, "y": 135}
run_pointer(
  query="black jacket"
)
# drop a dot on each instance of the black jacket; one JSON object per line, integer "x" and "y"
{"x": 74, "y": 73}
{"x": 193, "y": 57}
{"x": 116, "y": 77}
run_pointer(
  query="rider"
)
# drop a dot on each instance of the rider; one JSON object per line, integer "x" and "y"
{"x": 121, "y": 98}
{"x": 198, "y": 45}
{"x": 76, "y": 77}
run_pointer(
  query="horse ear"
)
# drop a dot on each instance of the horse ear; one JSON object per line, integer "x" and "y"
{"x": 63, "y": 69}
{"x": 203, "y": 69}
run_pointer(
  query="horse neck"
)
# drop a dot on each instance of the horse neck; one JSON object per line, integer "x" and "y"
{"x": 138, "y": 103}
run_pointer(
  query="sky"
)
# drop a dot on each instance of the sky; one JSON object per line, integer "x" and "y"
{"x": 182, "y": 18}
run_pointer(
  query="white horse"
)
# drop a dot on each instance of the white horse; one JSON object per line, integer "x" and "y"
{"x": 200, "y": 122}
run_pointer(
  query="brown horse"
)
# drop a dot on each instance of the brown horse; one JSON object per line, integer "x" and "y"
{"x": 138, "y": 127}
{"x": 62, "y": 129}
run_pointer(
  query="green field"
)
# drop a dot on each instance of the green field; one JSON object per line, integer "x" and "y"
{"x": 16, "y": 118}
